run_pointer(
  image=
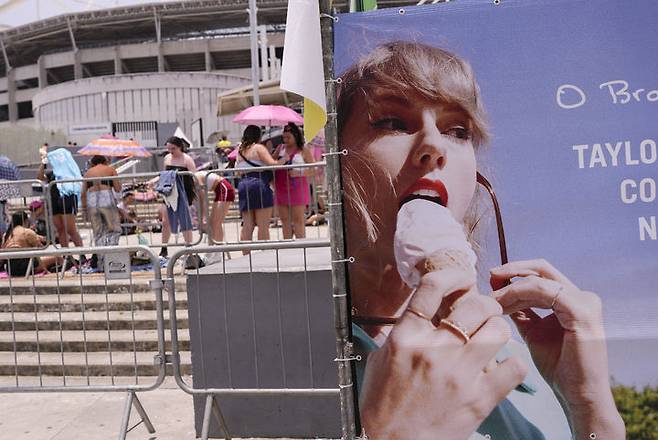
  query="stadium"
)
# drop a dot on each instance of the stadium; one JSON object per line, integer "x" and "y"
{"x": 126, "y": 70}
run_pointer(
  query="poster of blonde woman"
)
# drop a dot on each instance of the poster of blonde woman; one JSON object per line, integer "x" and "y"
{"x": 500, "y": 205}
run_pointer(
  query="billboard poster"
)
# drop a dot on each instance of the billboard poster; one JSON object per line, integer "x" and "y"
{"x": 553, "y": 105}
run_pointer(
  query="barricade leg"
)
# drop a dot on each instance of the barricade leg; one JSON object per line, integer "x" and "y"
{"x": 132, "y": 400}
{"x": 213, "y": 406}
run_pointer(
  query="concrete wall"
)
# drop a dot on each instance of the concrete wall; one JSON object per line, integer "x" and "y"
{"x": 266, "y": 321}
{"x": 21, "y": 142}
{"x": 163, "y": 97}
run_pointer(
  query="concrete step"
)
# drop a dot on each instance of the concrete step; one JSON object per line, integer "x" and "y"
{"x": 74, "y": 285}
{"x": 84, "y": 364}
{"x": 114, "y": 320}
{"x": 91, "y": 301}
{"x": 90, "y": 341}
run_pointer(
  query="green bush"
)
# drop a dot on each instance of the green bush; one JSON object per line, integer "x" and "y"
{"x": 639, "y": 409}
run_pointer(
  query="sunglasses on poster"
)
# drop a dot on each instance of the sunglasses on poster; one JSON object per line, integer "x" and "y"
{"x": 502, "y": 247}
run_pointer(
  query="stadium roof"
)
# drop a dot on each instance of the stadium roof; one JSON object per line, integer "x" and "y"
{"x": 133, "y": 24}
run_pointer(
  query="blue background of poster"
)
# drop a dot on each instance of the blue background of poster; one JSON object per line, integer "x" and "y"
{"x": 522, "y": 52}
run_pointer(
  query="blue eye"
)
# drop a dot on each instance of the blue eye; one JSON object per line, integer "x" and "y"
{"x": 391, "y": 124}
{"x": 458, "y": 132}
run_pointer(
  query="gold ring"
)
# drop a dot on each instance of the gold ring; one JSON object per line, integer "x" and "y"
{"x": 457, "y": 328}
{"x": 419, "y": 314}
{"x": 557, "y": 294}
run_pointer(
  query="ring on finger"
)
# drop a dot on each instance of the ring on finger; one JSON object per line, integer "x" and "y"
{"x": 419, "y": 314}
{"x": 558, "y": 292}
{"x": 456, "y": 328}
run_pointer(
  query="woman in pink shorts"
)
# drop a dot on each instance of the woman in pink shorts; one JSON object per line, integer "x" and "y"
{"x": 291, "y": 187}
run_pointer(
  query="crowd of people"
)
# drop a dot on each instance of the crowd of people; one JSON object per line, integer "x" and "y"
{"x": 264, "y": 197}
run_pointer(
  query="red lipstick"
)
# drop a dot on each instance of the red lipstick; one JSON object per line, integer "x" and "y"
{"x": 426, "y": 184}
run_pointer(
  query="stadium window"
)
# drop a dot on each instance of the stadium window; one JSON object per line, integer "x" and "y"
{"x": 25, "y": 110}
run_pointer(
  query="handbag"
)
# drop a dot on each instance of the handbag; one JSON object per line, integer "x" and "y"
{"x": 266, "y": 176}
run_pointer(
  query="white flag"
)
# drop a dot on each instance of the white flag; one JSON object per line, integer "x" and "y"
{"x": 302, "y": 71}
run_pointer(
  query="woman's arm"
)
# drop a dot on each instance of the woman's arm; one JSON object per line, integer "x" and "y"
{"x": 83, "y": 195}
{"x": 116, "y": 182}
{"x": 277, "y": 151}
{"x": 41, "y": 175}
{"x": 307, "y": 155}
{"x": 264, "y": 156}
{"x": 568, "y": 346}
{"x": 189, "y": 163}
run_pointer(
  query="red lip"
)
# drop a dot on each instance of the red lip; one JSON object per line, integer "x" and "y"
{"x": 433, "y": 185}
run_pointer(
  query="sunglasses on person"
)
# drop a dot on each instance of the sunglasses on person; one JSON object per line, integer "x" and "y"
{"x": 502, "y": 248}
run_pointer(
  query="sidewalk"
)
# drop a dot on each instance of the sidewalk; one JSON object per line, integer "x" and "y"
{"x": 95, "y": 416}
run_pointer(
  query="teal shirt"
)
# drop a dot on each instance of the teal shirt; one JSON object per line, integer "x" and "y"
{"x": 530, "y": 412}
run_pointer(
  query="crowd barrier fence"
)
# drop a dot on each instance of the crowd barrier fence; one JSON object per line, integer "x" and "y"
{"x": 152, "y": 219}
{"x": 221, "y": 222}
{"x": 296, "y": 208}
{"x": 211, "y": 404}
{"x": 84, "y": 334}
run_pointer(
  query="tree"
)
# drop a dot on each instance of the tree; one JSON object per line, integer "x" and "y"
{"x": 639, "y": 409}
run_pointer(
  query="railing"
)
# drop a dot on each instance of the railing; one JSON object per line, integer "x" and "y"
{"x": 105, "y": 332}
{"x": 295, "y": 194}
{"x": 203, "y": 315}
{"x": 85, "y": 333}
{"x": 147, "y": 227}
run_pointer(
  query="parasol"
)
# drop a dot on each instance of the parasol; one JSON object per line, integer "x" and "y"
{"x": 268, "y": 115}
{"x": 8, "y": 171}
{"x": 104, "y": 146}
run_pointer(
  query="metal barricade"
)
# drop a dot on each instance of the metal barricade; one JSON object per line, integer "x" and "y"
{"x": 293, "y": 347}
{"x": 146, "y": 228}
{"x": 90, "y": 333}
{"x": 25, "y": 192}
{"x": 296, "y": 211}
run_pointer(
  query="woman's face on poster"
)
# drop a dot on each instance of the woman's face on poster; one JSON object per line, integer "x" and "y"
{"x": 424, "y": 146}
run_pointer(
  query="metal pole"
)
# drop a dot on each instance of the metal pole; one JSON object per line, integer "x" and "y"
{"x": 253, "y": 36}
{"x": 262, "y": 31}
{"x": 338, "y": 270}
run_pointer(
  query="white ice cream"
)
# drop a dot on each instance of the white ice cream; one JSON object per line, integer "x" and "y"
{"x": 428, "y": 231}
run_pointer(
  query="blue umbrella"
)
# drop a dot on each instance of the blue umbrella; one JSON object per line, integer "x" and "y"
{"x": 8, "y": 171}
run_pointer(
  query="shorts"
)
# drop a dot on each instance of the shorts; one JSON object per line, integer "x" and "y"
{"x": 254, "y": 193}
{"x": 18, "y": 267}
{"x": 65, "y": 204}
{"x": 224, "y": 192}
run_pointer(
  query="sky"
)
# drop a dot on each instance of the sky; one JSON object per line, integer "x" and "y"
{"x": 18, "y": 12}
{"x": 554, "y": 208}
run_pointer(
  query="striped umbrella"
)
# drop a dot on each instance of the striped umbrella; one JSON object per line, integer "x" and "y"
{"x": 114, "y": 147}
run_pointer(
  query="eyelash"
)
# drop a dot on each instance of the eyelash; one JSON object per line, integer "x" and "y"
{"x": 383, "y": 122}
{"x": 457, "y": 131}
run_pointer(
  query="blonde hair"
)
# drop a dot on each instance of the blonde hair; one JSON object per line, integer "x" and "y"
{"x": 406, "y": 68}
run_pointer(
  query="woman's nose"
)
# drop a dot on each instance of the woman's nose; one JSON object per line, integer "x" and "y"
{"x": 430, "y": 152}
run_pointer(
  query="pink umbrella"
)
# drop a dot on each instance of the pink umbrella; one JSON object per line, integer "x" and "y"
{"x": 268, "y": 115}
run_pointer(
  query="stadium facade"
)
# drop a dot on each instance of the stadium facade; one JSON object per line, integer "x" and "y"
{"x": 132, "y": 68}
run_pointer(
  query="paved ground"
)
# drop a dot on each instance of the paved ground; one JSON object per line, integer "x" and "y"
{"x": 94, "y": 416}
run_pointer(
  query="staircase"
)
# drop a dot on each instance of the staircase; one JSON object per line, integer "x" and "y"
{"x": 53, "y": 332}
